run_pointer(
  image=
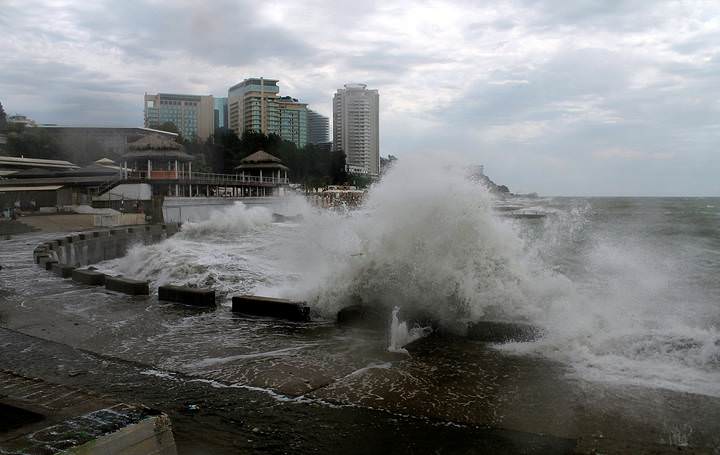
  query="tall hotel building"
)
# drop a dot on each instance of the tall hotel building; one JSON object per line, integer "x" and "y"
{"x": 356, "y": 128}
{"x": 253, "y": 106}
{"x": 193, "y": 115}
{"x": 318, "y": 128}
{"x": 293, "y": 121}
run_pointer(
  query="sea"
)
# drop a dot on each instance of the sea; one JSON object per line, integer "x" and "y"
{"x": 622, "y": 289}
{"x": 623, "y": 292}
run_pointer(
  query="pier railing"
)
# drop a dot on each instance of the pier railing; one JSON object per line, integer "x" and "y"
{"x": 205, "y": 178}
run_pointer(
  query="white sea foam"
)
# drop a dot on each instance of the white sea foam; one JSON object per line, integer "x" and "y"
{"x": 221, "y": 360}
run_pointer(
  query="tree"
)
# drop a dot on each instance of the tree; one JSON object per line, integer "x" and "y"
{"x": 3, "y": 119}
{"x": 308, "y": 165}
{"x": 34, "y": 143}
{"x": 360, "y": 181}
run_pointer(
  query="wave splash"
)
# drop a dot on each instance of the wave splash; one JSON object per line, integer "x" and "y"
{"x": 611, "y": 304}
{"x": 237, "y": 219}
{"x": 428, "y": 239}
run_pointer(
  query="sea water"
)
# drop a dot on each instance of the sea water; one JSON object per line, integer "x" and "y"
{"x": 625, "y": 290}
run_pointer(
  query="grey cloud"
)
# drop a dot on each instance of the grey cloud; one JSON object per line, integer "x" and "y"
{"x": 69, "y": 94}
{"x": 223, "y": 33}
{"x": 563, "y": 79}
{"x": 616, "y": 15}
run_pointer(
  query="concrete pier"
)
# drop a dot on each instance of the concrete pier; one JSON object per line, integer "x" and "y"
{"x": 187, "y": 295}
{"x": 40, "y": 417}
{"x": 272, "y": 307}
{"x": 127, "y": 285}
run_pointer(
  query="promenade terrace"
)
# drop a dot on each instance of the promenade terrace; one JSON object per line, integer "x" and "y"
{"x": 165, "y": 165}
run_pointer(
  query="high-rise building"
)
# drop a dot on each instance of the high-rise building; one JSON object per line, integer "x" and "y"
{"x": 293, "y": 121}
{"x": 191, "y": 114}
{"x": 318, "y": 128}
{"x": 356, "y": 128}
{"x": 253, "y": 106}
{"x": 220, "y": 117}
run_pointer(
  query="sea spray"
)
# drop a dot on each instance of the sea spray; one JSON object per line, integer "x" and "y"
{"x": 229, "y": 222}
{"x": 217, "y": 252}
{"x": 401, "y": 335}
{"x": 427, "y": 238}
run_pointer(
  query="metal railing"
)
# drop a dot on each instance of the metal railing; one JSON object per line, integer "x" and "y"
{"x": 205, "y": 178}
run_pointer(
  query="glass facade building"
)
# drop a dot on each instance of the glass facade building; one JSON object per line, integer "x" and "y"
{"x": 318, "y": 128}
{"x": 293, "y": 121}
{"x": 192, "y": 115}
{"x": 253, "y": 106}
{"x": 220, "y": 118}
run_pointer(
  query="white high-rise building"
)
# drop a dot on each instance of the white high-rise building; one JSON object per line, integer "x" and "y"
{"x": 356, "y": 128}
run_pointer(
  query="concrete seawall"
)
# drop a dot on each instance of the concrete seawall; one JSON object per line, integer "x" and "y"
{"x": 92, "y": 247}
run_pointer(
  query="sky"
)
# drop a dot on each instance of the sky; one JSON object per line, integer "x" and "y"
{"x": 581, "y": 97}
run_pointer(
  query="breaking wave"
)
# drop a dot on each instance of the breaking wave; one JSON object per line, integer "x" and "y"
{"x": 428, "y": 239}
{"x": 615, "y": 302}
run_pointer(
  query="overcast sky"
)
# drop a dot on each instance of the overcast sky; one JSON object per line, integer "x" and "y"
{"x": 562, "y": 97}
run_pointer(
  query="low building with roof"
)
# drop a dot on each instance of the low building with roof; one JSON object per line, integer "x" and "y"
{"x": 10, "y": 165}
{"x": 158, "y": 158}
{"x": 161, "y": 162}
{"x": 53, "y": 183}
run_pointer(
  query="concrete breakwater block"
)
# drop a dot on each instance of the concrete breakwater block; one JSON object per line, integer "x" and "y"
{"x": 502, "y": 332}
{"x": 171, "y": 228}
{"x": 126, "y": 285}
{"x": 47, "y": 262}
{"x": 38, "y": 254}
{"x": 63, "y": 270}
{"x": 187, "y": 295}
{"x": 90, "y": 277}
{"x": 268, "y": 306}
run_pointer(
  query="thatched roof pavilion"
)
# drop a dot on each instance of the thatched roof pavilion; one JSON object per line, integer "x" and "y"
{"x": 260, "y": 163}
{"x": 261, "y": 160}
{"x": 156, "y": 147}
{"x": 157, "y": 157}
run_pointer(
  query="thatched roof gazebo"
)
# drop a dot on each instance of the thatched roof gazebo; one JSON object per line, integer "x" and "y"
{"x": 264, "y": 166}
{"x": 159, "y": 157}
